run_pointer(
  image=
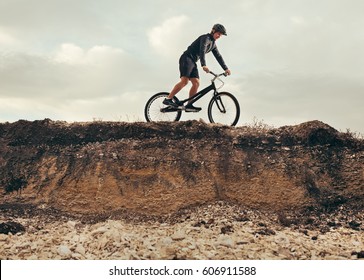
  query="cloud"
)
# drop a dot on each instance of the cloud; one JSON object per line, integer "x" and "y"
{"x": 72, "y": 54}
{"x": 287, "y": 98}
{"x": 71, "y": 69}
{"x": 168, "y": 38}
{"x": 70, "y": 75}
{"x": 7, "y": 41}
{"x": 41, "y": 16}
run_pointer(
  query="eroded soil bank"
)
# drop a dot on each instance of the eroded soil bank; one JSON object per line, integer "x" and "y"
{"x": 106, "y": 168}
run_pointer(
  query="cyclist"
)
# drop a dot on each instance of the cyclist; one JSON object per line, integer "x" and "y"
{"x": 188, "y": 67}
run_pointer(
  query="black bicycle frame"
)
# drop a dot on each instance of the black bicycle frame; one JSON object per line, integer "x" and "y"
{"x": 201, "y": 93}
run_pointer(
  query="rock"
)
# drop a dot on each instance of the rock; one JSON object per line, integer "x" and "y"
{"x": 179, "y": 235}
{"x": 99, "y": 230}
{"x": 102, "y": 242}
{"x": 76, "y": 256}
{"x": 226, "y": 241}
{"x": 354, "y": 225}
{"x": 23, "y": 245}
{"x": 71, "y": 224}
{"x": 165, "y": 241}
{"x": 80, "y": 249}
{"x": 64, "y": 251}
{"x": 285, "y": 252}
{"x": 168, "y": 253}
{"x": 282, "y": 239}
{"x": 3, "y": 237}
{"x": 11, "y": 227}
{"x": 227, "y": 229}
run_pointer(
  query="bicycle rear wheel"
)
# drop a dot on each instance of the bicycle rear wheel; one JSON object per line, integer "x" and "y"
{"x": 156, "y": 111}
{"x": 224, "y": 109}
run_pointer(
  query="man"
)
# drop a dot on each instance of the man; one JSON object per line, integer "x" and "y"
{"x": 188, "y": 67}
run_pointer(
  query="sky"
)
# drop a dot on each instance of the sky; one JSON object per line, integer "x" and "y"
{"x": 292, "y": 61}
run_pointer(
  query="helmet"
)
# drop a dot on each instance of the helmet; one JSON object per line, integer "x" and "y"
{"x": 219, "y": 28}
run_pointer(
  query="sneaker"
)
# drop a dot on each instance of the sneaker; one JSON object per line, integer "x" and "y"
{"x": 191, "y": 108}
{"x": 169, "y": 102}
{"x": 179, "y": 103}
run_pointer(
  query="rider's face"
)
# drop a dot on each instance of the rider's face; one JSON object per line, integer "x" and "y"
{"x": 217, "y": 35}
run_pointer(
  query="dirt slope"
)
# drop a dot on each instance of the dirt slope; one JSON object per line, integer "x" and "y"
{"x": 157, "y": 168}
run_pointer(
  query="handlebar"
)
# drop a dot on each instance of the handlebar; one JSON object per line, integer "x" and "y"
{"x": 217, "y": 77}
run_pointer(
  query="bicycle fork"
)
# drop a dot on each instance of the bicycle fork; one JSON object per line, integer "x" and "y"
{"x": 219, "y": 104}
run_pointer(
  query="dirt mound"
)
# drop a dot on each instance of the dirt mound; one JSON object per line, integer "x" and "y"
{"x": 103, "y": 168}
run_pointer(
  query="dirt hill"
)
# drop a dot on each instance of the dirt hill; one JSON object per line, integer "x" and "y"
{"x": 111, "y": 168}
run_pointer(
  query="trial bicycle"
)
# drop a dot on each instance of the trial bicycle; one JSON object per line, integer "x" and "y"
{"x": 223, "y": 107}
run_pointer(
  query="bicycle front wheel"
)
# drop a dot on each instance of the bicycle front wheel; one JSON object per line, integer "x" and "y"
{"x": 156, "y": 111}
{"x": 224, "y": 109}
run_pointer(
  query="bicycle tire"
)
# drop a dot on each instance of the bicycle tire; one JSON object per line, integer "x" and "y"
{"x": 224, "y": 108}
{"x": 152, "y": 110}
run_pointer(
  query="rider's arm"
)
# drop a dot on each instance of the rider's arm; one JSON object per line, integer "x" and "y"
{"x": 204, "y": 45}
{"x": 219, "y": 58}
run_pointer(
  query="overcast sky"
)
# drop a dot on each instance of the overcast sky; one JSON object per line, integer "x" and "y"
{"x": 80, "y": 60}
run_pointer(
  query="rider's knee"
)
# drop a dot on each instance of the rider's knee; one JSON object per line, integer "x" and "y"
{"x": 195, "y": 82}
{"x": 184, "y": 81}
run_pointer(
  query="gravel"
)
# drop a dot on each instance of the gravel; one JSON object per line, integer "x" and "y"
{"x": 215, "y": 231}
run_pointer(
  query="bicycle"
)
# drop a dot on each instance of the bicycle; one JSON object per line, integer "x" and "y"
{"x": 223, "y": 107}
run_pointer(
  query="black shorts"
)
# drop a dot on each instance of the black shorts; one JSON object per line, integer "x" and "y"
{"x": 187, "y": 67}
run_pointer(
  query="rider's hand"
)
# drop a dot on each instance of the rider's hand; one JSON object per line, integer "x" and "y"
{"x": 227, "y": 72}
{"x": 206, "y": 69}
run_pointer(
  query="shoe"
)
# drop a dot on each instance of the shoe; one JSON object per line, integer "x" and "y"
{"x": 169, "y": 102}
{"x": 179, "y": 103}
{"x": 191, "y": 108}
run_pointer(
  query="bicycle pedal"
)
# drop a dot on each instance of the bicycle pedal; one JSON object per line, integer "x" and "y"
{"x": 192, "y": 110}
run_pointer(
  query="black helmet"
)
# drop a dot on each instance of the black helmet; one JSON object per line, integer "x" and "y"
{"x": 219, "y": 28}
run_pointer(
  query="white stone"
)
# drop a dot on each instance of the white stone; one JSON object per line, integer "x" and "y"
{"x": 64, "y": 251}
{"x": 80, "y": 249}
{"x": 226, "y": 241}
{"x": 179, "y": 235}
{"x": 282, "y": 239}
{"x": 99, "y": 230}
{"x": 71, "y": 224}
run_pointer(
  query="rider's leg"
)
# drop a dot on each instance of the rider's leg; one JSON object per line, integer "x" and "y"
{"x": 194, "y": 88}
{"x": 180, "y": 85}
{"x": 195, "y": 84}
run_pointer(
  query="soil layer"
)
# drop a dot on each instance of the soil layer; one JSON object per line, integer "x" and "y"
{"x": 104, "y": 169}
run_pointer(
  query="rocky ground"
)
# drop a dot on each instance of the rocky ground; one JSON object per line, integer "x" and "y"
{"x": 212, "y": 231}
